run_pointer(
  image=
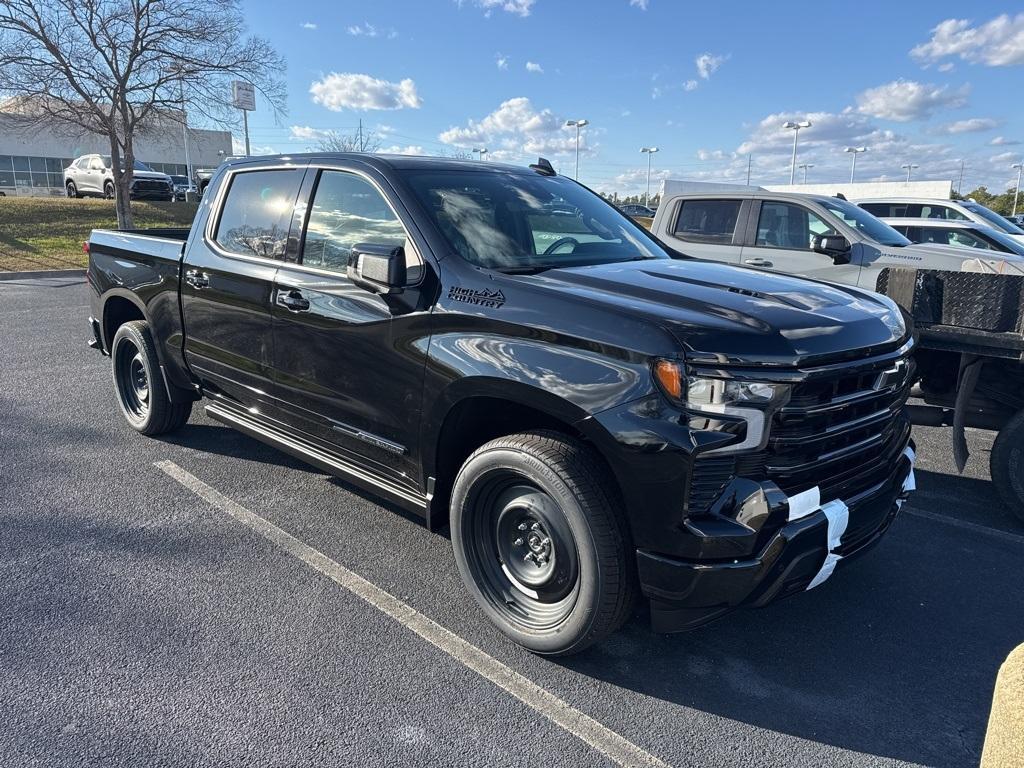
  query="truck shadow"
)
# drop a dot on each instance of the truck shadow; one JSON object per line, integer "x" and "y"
{"x": 895, "y": 657}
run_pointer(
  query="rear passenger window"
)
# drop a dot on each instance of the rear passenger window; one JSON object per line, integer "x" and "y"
{"x": 348, "y": 210}
{"x": 257, "y": 212}
{"x": 707, "y": 221}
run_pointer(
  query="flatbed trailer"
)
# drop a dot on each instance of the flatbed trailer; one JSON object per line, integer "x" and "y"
{"x": 970, "y": 363}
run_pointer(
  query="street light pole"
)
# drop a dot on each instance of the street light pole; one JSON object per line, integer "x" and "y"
{"x": 483, "y": 151}
{"x": 650, "y": 153}
{"x": 1016, "y": 193}
{"x": 909, "y": 167}
{"x": 578, "y": 124}
{"x": 853, "y": 166}
{"x": 178, "y": 69}
{"x": 795, "y": 126}
{"x": 805, "y": 166}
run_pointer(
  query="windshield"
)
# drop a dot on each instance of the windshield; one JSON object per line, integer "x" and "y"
{"x": 526, "y": 222}
{"x": 137, "y": 165}
{"x": 993, "y": 218}
{"x": 859, "y": 219}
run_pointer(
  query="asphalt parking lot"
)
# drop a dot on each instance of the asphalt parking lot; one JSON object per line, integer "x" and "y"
{"x": 145, "y": 623}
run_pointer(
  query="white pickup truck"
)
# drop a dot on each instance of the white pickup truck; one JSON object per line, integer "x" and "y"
{"x": 827, "y": 238}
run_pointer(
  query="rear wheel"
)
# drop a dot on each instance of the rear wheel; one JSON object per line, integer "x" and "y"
{"x": 1006, "y": 464}
{"x": 540, "y": 544}
{"x": 139, "y": 385}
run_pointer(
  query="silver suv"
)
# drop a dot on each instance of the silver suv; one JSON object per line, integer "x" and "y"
{"x": 92, "y": 175}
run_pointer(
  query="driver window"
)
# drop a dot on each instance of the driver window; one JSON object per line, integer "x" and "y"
{"x": 347, "y": 210}
{"x": 784, "y": 225}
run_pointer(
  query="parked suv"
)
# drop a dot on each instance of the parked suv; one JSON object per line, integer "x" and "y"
{"x": 91, "y": 175}
{"x": 924, "y": 208}
{"x": 827, "y": 238}
{"x": 963, "y": 234}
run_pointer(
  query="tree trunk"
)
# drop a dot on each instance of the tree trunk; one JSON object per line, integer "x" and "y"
{"x": 122, "y": 184}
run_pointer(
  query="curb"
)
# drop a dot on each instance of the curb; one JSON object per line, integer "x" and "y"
{"x": 42, "y": 273}
{"x": 1003, "y": 744}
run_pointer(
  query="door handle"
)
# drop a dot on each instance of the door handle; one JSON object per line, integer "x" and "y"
{"x": 197, "y": 279}
{"x": 757, "y": 262}
{"x": 293, "y": 301}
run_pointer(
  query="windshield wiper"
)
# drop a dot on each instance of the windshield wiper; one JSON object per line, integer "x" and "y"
{"x": 525, "y": 270}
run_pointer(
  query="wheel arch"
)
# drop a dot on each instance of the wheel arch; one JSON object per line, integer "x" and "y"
{"x": 120, "y": 307}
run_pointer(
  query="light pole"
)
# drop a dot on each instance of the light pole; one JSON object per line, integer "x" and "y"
{"x": 650, "y": 152}
{"x": 179, "y": 70}
{"x": 578, "y": 124}
{"x": 1016, "y": 192}
{"x": 909, "y": 167}
{"x": 795, "y": 126}
{"x": 805, "y": 166}
{"x": 482, "y": 151}
{"x": 853, "y": 166}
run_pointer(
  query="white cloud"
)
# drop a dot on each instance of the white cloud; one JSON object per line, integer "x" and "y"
{"x": 709, "y": 154}
{"x": 306, "y": 133}
{"x": 1004, "y": 157}
{"x": 366, "y": 29}
{"x": 516, "y": 128}
{"x": 308, "y": 25}
{"x": 996, "y": 43}
{"x": 690, "y": 85}
{"x": 1002, "y": 141}
{"x": 708, "y": 64}
{"x": 949, "y": 66}
{"x": 905, "y": 100}
{"x": 338, "y": 91}
{"x": 238, "y": 148}
{"x": 532, "y": 66}
{"x": 971, "y": 125}
{"x": 411, "y": 149}
{"x": 641, "y": 4}
{"x": 634, "y": 181}
{"x": 501, "y": 60}
{"x": 515, "y": 7}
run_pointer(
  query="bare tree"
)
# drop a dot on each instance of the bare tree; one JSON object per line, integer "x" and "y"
{"x": 119, "y": 67}
{"x": 361, "y": 141}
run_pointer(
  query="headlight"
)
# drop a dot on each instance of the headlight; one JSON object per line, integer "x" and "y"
{"x": 741, "y": 408}
{"x": 698, "y": 391}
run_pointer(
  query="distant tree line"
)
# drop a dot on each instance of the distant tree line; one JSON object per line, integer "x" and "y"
{"x": 615, "y": 199}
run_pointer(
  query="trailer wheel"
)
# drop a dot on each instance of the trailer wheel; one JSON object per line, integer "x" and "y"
{"x": 1006, "y": 464}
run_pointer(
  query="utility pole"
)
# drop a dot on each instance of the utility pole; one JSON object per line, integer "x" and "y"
{"x": 360, "y": 135}
{"x": 1016, "y": 193}
{"x": 749, "y": 156}
{"x": 960, "y": 184}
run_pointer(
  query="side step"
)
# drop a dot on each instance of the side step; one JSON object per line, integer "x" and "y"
{"x": 311, "y": 454}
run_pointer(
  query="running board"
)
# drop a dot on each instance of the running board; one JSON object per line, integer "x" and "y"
{"x": 318, "y": 458}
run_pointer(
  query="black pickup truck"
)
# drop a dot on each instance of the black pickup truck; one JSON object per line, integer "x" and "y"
{"x": 499, "y": 350}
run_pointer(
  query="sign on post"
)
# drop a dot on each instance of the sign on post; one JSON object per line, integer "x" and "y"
{"x": 243, "y": 95}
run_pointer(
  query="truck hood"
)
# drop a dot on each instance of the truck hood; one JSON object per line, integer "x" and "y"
{"x": 722, "y": 314}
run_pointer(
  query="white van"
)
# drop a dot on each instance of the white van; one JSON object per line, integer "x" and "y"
{"x": 826, "y": 238}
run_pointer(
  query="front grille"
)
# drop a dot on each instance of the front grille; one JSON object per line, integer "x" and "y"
{"x": 837, "y": 432}
{"x": 150, "y": 185}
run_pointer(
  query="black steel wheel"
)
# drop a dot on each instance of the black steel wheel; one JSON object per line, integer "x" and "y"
{"x": 141, "y": 392}
{"x": 539, "y": 542}
{"x": 1006, "y": 464}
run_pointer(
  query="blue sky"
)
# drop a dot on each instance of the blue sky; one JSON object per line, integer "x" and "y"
{"x": 707, "y": 83}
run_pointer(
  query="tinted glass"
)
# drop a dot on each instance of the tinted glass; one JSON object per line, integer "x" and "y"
{"x": 257, "y": 213}
{"x": 708, "y": 221}
{"x": 348, "y": 210}
{"x": 528, "y": 222}
{"x": 993, "y": 218}
{"x": 865, "y": 223}
{"x": 784, "y": 225}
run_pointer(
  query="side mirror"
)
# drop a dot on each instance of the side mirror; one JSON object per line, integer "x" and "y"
{"x": 835, "y": 246}
{"x": 377, "y": 268}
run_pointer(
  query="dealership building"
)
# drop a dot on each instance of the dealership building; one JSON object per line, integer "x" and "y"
{"x": 33, "y": 156}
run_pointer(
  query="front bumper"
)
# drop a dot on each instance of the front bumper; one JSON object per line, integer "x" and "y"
{"x": 800, "y": 555}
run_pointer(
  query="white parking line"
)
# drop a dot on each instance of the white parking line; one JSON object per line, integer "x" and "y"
{"x": 957, "y": 523}
{"x": 607, "y": 742}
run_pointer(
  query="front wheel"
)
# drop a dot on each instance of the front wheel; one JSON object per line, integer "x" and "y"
{"x": 140, "y": 387}
{"x": 1006, "y": 464}
{"x": 108, "y": 191}
{"x": 540, "y": 544}
{"x": 72, "y": 190}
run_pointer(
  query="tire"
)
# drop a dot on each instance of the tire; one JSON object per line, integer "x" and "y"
{"x": 1006, "y": 464}
{"x": 540, "y": 543}
{"x": 108, "y": 190}
{"x": 72, "y": 190}
{"x": 139, "y": 385}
